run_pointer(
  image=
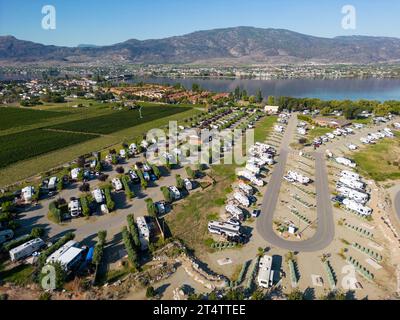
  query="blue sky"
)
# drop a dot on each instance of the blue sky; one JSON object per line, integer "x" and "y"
{"x": 105, "y": 22}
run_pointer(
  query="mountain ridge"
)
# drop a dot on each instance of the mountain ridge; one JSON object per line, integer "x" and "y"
{"x": 227, "y": 45}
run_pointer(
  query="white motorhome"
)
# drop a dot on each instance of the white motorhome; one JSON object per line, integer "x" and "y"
{"x": 26, "y": 249}
{"x": 75, "y": 173}
{"x": 265, "y": 273}
{"x": 122, "y": 153}
{"x": 71, "y": 258}
{"x": 74, "y": 208}
{"x": 175, "y": 192}
{"x": 52, "y": 185}
{"x": 144, "y": 232}
{"x": 188, "y": 184}
{"x": 133, "y": 148}
{"x": 357, "y": 207}
{"x": 242, "y": 199}
{"x": 27, "y": 193}
{"x": 98, "y": 195}
{"x": 223, "y": 229}
{"x": 346, "y": 162}
{"x": 117, "y": 184}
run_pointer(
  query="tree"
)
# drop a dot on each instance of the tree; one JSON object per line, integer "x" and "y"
{"x": 150, "y": 292}
{"x": 120, "y": 170}
{"x": 37, "y": 232}
{"x": 179, "y": 182}
{"x": 130, "y": 249}
{"x": 151, "y": 208}
{"x": 167, "y": 194}
{"x": 259, "y": 96}
{"x": 295, "y": 295}
{"x": 271, "y": 100}
{"x": 85, "y": 187}
{"x": 191, "y": 174}
{"x": 133, "y": 230}
{"x": 156, "y": 171}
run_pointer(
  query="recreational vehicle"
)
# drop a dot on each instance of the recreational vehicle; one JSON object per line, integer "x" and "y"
{"x": 74, "y": 208}
{"x": 242, "y": 199}
{"x": 346, "y": 162}
{"x": 144, "y": 232}
{"x": 117, "y": 184}
{"x": 235, "y": 211}
{"x": 98, "y": 195}
{"x": 265, "y": 274}
{"x": 223, "y": 229}
{"x": 26, "y": 249}
{"x": 357, "y": 207}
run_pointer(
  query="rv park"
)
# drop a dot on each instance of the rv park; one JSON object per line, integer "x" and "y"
{"x": 313, "y": 213}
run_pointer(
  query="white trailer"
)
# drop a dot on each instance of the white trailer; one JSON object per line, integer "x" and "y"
{"x": 235, "y": 211}
{"x": 352, "y": 194}
{"x": 223, "y": 229}
{"x": 144, "y": 232}
{"x": 265, "y": 273}
{"x": 351, "y": 183}
{"x": 292, "y": 175}
{"x": 74, "y": 208}
{"x": 58, "y": 253}
{"x": 350, "y": 175}
{"x": 26, "y": 249}
{"x": 346, "y": 162}
{"x": 252, "y": 168}
{"x": 188, "y": 184}
{"x": 357, "y": 207}
{"x": 242, "y": 199}
{"x": 247, "y": 189}
{"x": 250, "y": 177}
{"x": 27, "y": 193}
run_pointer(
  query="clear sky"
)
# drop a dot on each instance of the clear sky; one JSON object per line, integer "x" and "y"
{"x": 104, "y": 22}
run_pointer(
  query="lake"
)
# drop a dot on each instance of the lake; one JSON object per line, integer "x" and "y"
{"x": 341, "y": 89}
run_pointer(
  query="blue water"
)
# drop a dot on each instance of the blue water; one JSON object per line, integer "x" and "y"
{"x": 341, "y": 89}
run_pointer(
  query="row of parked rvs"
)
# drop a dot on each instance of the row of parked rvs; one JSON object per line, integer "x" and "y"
{"x": 353, "y": 192}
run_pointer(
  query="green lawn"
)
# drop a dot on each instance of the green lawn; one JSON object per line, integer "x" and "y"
{"x": 318, "y": 132}
{"x": 20, "y": 275}
{"x": 380, "y": 161}
{"x": 264, "y": 127}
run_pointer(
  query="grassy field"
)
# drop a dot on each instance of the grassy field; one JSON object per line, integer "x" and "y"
{"x": 381, "y": 161}
{"x": 20, "y": 275}
{"x": 263, "y": 128}
{"x": 317, "y": 132}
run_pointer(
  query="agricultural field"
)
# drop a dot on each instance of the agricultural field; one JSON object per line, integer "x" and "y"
{"x": 27, "y": 144}
{"x": 17, "y": 117}
{"x": 380, "y": 161}
{"x": 119, "y": 120}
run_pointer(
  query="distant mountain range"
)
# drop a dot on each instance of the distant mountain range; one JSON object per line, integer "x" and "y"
{"x": 233, "y": 46}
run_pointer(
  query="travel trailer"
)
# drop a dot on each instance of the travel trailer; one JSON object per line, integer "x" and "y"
{"x": 117, "y": 184}
{"x": 250, "y": 177}
{"x": 175, "y": 192}
{"x": 223, "y": 229}
{"x": 350, "y": 175}
{"x": 351, "y": 183}
{"x": 235, "y": 211}
{"x": 352, "y": 194}
{"x": 357, "y": 207}
{"x": 25, "y": 250}
{"x": 265, "y": 273}
{"x": 295, "y": 176}
{"x": 74, "y": 208}
{"x": 98, "y": 196}
{"x": 241, "y": 198}
{"x": 346, "y": 162}
{"x": 144, "y": 232}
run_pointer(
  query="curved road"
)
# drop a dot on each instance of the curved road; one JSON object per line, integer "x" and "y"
{"x": 325, "y": 224}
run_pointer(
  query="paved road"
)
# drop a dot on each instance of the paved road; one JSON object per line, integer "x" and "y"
{"x": 325, "y": 230}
